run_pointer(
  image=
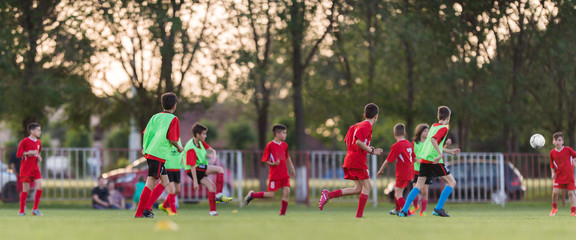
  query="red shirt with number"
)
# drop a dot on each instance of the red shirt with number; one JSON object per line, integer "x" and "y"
{"x": 402, "y": 152}
{"x": 29, "y": 163}
{"x": 563, "y": 164}
{"x": 276, "y": 152}
{"x": 356, "y": 156}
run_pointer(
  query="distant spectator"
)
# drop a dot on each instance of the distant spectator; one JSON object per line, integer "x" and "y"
{"x": 100, "y": 195}
{"x": 116, "y": 199}
{"x": 138, "y": 189}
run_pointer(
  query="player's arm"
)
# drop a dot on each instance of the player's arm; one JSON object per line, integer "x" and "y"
{"x": 176, "y": 144}
{"x": 292, "y": 170}
{"x": 191, "y": 159}
{"x": 213, "y": 153}
{"x": 454, "y": 151}
{"x": 552, "y": 170}
{"x": 435, "y": 145}
{"x": 369, "y": 149}
{"x": 381, "y": 171}
{"x": 194, "y": 177}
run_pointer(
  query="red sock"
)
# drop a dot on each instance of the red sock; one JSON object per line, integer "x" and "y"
{"x": 361, "y": 203}
{"x": 37, "y": 199}
{"x": 424, "y": 205}
{"x": 158, "y": 190}
{"x": 258, "y": 195}
{"x": 212, "y": 201}
{"x": 219, "y": 182}
{"x": 554, "y": 205}
{"x": 401, "y": 202}
{"x": 144, "y": 196}
{"x": 397, "y": 208}
{"x": 23, "y": 196}
{"x": 415, "y": 202}
{"x": 166, "y": 203}
{"x": 572, "y": 209}
{"x": 335, "y": 194}
{"x": 173, "y": 203}
{"x": 284, "y": 207}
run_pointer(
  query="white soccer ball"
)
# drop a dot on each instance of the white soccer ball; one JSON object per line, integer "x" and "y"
{"x": 537, "y": 141}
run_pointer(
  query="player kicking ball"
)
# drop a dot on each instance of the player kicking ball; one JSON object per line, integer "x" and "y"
{"x": 562, "y": 161}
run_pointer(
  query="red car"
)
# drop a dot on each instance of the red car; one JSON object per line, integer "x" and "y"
{"x": 126, "y": 178}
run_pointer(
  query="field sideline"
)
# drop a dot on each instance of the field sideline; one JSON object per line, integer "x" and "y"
{"x": 260, "y": 220}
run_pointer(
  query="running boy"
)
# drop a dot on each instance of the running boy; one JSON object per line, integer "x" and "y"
{"x": 355, "y": 168}
{"x": 276, "y": 155}
{"x": 173, "y": 166}
{"x": 197, "y": 167}
{"x": 432, "y": 164}
{"x": 29, "y": 150}
{"x": 562, "y": 166}
{"x": 161, "y": 133}
{"x": 401, "y": 152}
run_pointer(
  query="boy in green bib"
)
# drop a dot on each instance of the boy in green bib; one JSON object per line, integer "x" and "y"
{"x": 432, "y": 165}
{"x": 173, "y": 166}
{"x": 198, "y": 167}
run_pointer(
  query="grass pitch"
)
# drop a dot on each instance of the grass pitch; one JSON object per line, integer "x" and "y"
{"x": 260, "y": 220}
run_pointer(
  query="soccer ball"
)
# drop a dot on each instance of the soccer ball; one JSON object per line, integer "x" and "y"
{"x": 537, "y": 141}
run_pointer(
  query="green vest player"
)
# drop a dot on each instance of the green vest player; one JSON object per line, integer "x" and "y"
{"x": 432, "y": 165}
{"x": 160, "y": 136}
{"x": 173, "y": 166}
{"x": 198, "y": 166}
{"x": 420, "y": 135}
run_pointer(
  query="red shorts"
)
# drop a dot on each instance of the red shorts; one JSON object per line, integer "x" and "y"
{"x": 30, "y": 176}
{"x": 274, "y": 185}
{"x": 356, "y": 174}
{"x": 402, "y": 183}
{"x": 567, "y": 186}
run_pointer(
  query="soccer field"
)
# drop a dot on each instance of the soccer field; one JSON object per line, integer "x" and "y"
{"x": 260, "y": 220}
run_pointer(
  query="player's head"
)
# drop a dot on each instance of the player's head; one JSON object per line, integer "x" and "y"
{"x": 279, "y": 132}
{"x": 421, "y": 132}
{"x": 34, "y": 129}
{"x": 199, "y": 131}
{"x": 444, "y": 113}
{"x": 169, "y": 101}
{"x": 371, "y": 111}
{"x": 558, "y": 139}
{"x": 399, "y": 130}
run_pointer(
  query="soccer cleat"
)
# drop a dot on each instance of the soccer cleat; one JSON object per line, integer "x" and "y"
{"x": 220, "y": 198}
{"x": 440, "y": 213}
{"x": 248, "y": 198}
{"x": 22, "y": 214}
{"x": 393, "y": 212}
{"x": 553, "y": 212}
{"x": 171, "y": 213}
{"x": 37, "y": 213}
{"x": 213, "y": 213}
{"x": 573, "y": 213}
{"x": 422, "y": 214}
{"x": 413, "y": 210}
{"x": 148, "y": 214}
{"x": 165, "y": 209}
{"x": 324, "y": 198}
{"x": 402, "y": 214}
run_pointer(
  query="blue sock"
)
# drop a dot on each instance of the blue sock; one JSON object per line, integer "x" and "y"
{"x": 443, "y": 196}
{"x": 410, "y": 199}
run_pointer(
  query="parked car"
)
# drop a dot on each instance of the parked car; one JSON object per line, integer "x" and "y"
{"x": 475, "y": 180}
{"x": 126, "y": 178}
{"x": 8, "y": 185}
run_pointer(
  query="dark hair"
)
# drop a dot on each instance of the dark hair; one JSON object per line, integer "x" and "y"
{"x": 419, "y": 130}
{"x": 169, "y": 100}
{"x": 198, "y": 128}
{"x": 370, "y": 110}
{"x": 399, "y": 130}
{"x": 32, "y": 126}
{"x": 443, "y": 112}
{"x": 278, "y": 128}
{"x": 558, "y": 135}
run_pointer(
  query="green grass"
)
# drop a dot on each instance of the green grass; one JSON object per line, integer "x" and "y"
{"x": 260, "y": 220}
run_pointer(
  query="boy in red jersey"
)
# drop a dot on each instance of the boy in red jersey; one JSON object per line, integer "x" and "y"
{"x": 562, "y": 167}
{"x": 401, "y": 152}
{"x": 355, "y": 168}
{"x": 276, "y": 155}
{"x": 29, "y": 150}
{"x": 161, "y": 133}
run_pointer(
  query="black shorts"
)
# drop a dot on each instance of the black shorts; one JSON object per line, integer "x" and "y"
{"x": 200, "y": 173}
{"x": 174, "y": 175}
{"x": 433, "y": 170}
{"x": 155, "y": 168}
{"x": 428, "y": 180}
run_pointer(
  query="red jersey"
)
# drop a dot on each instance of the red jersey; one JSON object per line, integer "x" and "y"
{"x": 173, "y": 134}
{"x": 563, "y": 163}
{"x": 356, "y": 156}
{"x": 191, "y": 156}
{"x": 29, "y": 163}
{"x": 402, "y": 152}
{"x": 276, "y": 152}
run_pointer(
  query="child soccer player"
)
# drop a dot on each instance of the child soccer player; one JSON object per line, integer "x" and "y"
{"x": 421, "y": 133}
{"x": 173, "y": 166}
{"x": 355, "y": 168}
{"x": 562, "y": 166}
{"x": 432, "y": 164}
{"x": 276, "y": 155}
{"x": 197, "y": 167}
{"x": 401, "y": 152}
{"x": 161, "y": 133}
{"x": 29, "y": 150}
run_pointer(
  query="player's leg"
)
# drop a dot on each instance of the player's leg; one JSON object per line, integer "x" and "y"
{"x": 38, "y": 184}
{"x": 285, "y": 199}
{"x": 24, "y": 194}
{"x": 413, "y": 194}
{"x": 158, "y": 190}
{"x": 424, "y": 194}
{"x": 398, "y": 196}
{"x": 366, "y": 188}
{"x": 450, "y": 184}
{"x": 326, "y": 195}
{"x": 173, "y": 204}
{"x": 207, "y": 182}
{"x": 572, "y": 197}
{"x": 165, "y": 206}
{"x": 554, "y": 210}
{"x": 273, "y": 186}
{"x": 219, "y": 172}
